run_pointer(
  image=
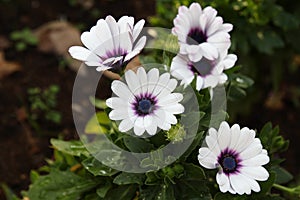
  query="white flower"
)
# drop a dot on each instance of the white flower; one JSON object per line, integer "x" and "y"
{"x": 145, "y": 101}
{"x": 201, "y": 32}
{"x": 110, "y": 44}
{"x": 209, "y": 72}
{"x": 238, "y": 155}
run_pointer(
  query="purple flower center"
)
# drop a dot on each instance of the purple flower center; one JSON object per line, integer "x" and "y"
{"x": 229, "y": 161}
{"x": 144, "y": 104}
{"x": 196, "y": 36}
{"x": 202, "y": 67}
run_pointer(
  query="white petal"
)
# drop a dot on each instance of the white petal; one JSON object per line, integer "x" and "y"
{"x": 140, "y": 44}
{"x": 212, "y": 143}
{"x": 174, "y": 108}
{"x": 222, "y": 179}
{"x": 83, "y": 54}
{"x": 215, "y": 25}
{"x": 118, "y": 114}
{"x": 208, "y": 162}
{"x": 125, "y": 24}
{"x": 258, "y": 172}
{"x": 235, "y": 135}
{"x": 115, "y": 103}
{"x": 258, "y": 160}
{"x": 170, "y": 99}
{"x": 208, "y": 50}
{"x": 138, "y": 28}
{"x": 239, "y": 184}
{"x": 142, "y": 76}
{"x": 167, "y": 89}
{"x": 133, "y": 82}
{"x": 125, "y": 41}
{"x": 126, "y": 125}
{"x": 224, "y": 135}
{"x": 90, "y": 40}
{"x": 152, "y": 78}
{"x": 138, "y": 130}
{"x": 102, "y": 68}
{"x": 252, "y": 150}
{"x": 162, "y": 82}
{"x": 226, "y": 27}
{"x": 122, "y": 90}
{"x": 199, "y": 83}
{"x": 245, "y": 139}
{"x": 150, "y": 124}
{"x": 229, "y": 61}
{"x": 139, "y": 122}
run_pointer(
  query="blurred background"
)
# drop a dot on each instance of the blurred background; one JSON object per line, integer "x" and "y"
{"x": 37, "y": 74}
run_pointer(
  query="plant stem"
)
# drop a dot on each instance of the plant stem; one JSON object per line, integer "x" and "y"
{"x": 283, "y": 188}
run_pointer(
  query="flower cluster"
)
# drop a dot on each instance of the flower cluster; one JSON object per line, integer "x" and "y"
{"x": 204, "y": 43}
{"x": 146, "y": 101}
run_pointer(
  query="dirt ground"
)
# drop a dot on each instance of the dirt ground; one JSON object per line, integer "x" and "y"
{"x": 22, "y": 147}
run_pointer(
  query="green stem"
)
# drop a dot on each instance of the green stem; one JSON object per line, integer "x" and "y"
{"x": 283, "y": 188}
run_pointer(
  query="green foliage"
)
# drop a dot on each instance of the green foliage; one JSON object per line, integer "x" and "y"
{"x": 8, "y": 193}
{"x": 76, "y": 173}
{"x": 42, "y": 104}
{"x": 23, "y": 39}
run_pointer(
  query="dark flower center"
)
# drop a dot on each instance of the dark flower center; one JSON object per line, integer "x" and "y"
{"x": 144, "y": 104}
{"x": 229, "y": 161}
{"x": 202, "y": 67}
{"x": 196, "y": 36}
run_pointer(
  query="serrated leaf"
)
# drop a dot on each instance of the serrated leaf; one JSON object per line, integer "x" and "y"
{"x": 125, "y": 178}
{"x": 74, "y": 148}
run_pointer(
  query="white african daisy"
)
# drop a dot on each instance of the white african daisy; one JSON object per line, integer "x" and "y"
{"x": 145, "y": 101}
{"x": 110, "y": 44}
{"x": 209, "y": 72}
{"x": 238, "y": 155}
{"x": 201, "y": 32}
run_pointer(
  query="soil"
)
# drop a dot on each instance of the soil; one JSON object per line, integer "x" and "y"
{"x": 24, "y": 148}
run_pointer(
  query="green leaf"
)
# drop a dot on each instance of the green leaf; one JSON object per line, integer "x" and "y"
{"x": 60, "y": 185}
{"x": 266, "y": 41}
{"x": 282, "y": 175}
{"x": 137, "y": 145}
{"x": 74, "y": 148}
{"x": 98, "y": 124}
{"x": 125, "y": 178}
{"x": 267, "y": 185}
{"x": 193, "y": 172}
{"x": 97, "y": 168}
{"x": 34, "y": 175}
{"x": 271, "y": 140}
{"x": 124, "y": 192}
{"x": 193, "y": 184}
{"x": 227, "y": 196}
{"x": 8, "y": 193}
{"x": 166, "y": 193}
{"x": 98, "y": 103}
{"x": 103, "y": 189}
